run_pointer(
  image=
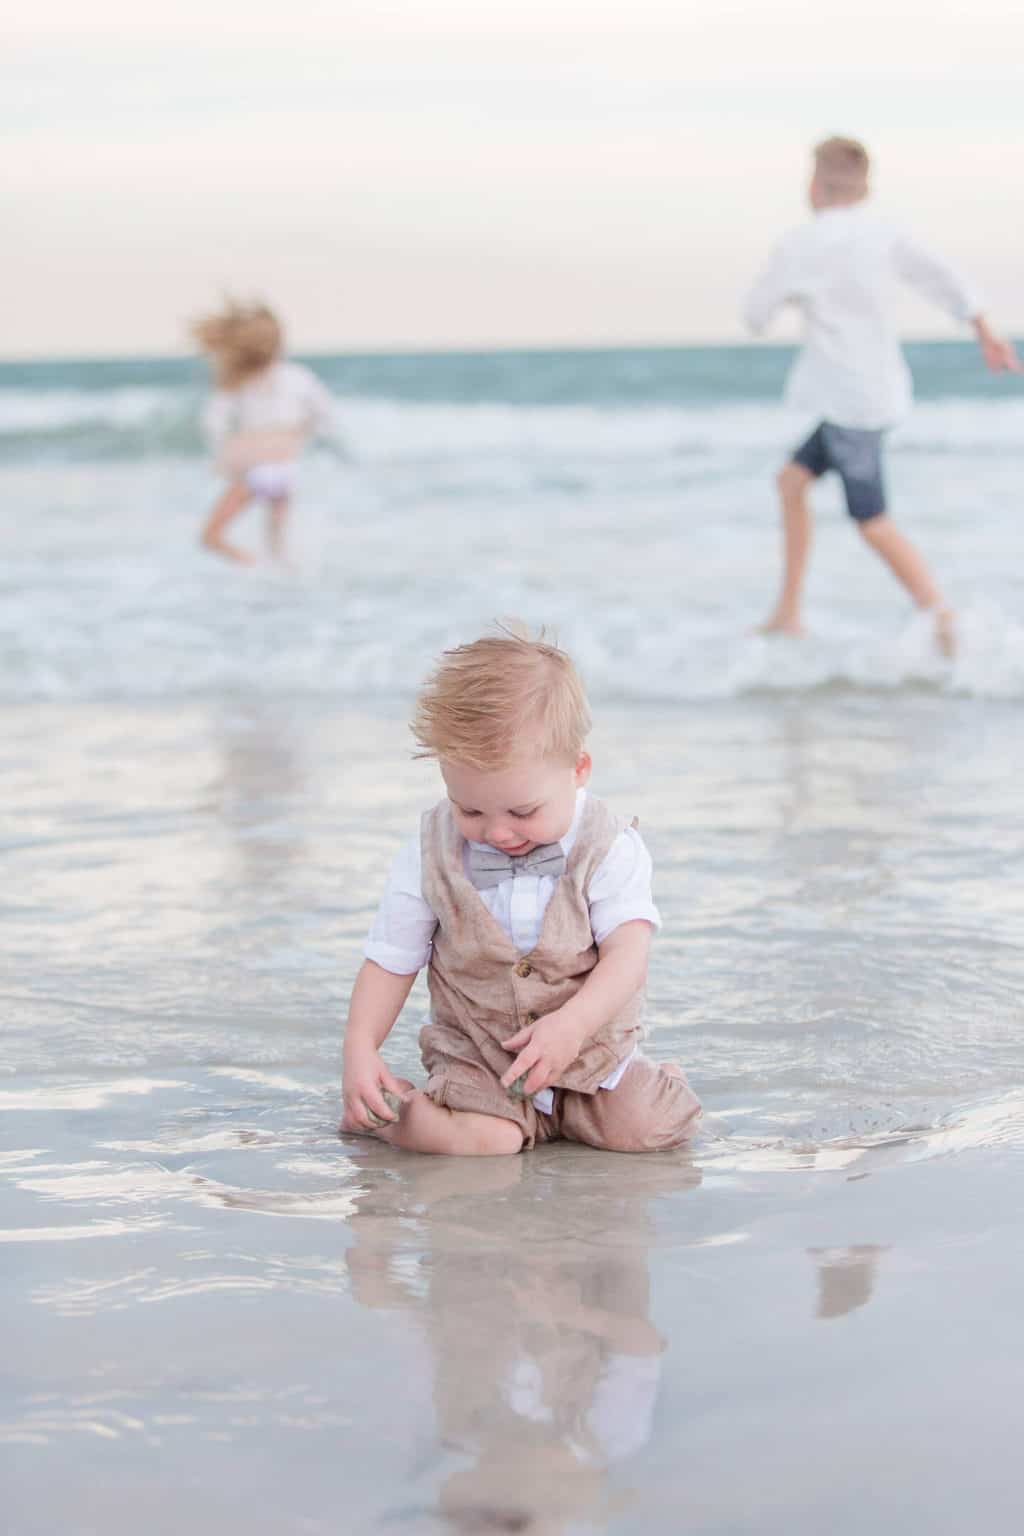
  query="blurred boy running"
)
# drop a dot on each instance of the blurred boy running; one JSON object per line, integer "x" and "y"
{"x": 851, "y": 373}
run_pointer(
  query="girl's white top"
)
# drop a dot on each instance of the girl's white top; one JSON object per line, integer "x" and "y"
{"x": 285, "y": 395}
{"x": 840, "y": 270}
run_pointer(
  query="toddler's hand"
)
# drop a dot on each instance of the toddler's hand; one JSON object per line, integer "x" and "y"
{"x": 545, "y": 1050}
{"x": 365, "y": 1077}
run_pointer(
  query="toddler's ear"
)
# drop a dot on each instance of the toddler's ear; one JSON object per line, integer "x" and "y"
{"x": 583, "y": 766}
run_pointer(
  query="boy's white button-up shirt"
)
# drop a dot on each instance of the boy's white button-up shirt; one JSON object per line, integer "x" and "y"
{"x": 839, "y": 269}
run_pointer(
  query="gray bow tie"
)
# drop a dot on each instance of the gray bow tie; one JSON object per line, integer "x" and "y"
{"x": 488, "y": 867}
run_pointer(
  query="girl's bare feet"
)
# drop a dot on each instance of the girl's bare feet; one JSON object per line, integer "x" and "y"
{"x": 781, "y": 624}
{"x": 945, "y": 631}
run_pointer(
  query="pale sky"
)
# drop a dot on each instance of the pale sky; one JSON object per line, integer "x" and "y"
{"x": 425, "y": 173}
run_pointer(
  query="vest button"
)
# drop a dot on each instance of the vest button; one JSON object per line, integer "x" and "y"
{"x": 524, "y": 968}
{"x": 531, "y": 1018}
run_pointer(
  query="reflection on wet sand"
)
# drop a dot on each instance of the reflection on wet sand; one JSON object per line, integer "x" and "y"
{"x": 536, "y": 1311}
{"x": 262, "y": 776}
{"x": 846, "y": 1277}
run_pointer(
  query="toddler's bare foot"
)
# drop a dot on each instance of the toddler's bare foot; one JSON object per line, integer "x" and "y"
{"x": 670, "y": 1068}
{"x": 945, "y": 631}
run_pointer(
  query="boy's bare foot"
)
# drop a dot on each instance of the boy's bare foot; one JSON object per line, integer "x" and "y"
{"x": 781, "y": 624}
{"x": 670, "y": 1068}
{"x": 945, "y": 631}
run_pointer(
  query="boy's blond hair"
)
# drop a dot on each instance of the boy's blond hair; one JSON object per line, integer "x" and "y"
{"x": 500, "y": 698}
{"x": 841, "y": 168}
{"x": 241, "y": 340}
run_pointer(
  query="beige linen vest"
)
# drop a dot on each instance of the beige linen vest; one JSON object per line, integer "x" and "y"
{"x": 482, "y": 990}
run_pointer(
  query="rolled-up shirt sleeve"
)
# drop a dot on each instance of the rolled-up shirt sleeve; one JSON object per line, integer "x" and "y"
{"x": 402, "y": 934}
{"x": 620, "y": 889}
{"x": 933, "y": 277}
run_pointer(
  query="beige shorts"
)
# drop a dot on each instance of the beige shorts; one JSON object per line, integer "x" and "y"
{"x": 648, "y": 1111}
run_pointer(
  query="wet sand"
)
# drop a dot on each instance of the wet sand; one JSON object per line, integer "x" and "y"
{"x": 221, "y": 1318}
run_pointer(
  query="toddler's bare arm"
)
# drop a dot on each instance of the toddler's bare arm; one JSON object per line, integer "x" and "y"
{"x": 377, "y": 999}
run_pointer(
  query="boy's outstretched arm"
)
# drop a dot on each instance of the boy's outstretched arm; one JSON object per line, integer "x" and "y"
{"x": 377, "y": 999}
{"x": 553, "y": 1043}
{"x": 933, "y": 277}
{"x": 998, "y": 351}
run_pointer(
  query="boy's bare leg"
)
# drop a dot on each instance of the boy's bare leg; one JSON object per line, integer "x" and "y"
{"x": 225, "y": 510}
{"x": 910, "y": 570}
{"x": 797, "y": 529}
{"x": 277, "y": 518}
{"x": 424, "y": 1126}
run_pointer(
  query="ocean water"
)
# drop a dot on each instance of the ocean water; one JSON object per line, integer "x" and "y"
{"x": 623, "y": 498}
{"x": 217, "y": 1316}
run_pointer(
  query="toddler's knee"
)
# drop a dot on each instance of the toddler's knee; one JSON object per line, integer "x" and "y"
{"x": 491, "y": 1136}
{"x": 431, "y": 1127}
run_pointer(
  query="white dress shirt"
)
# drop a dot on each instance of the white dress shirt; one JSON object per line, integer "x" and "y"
{"x": 840, "y": 270}
{"x": 401, "y": 938}
{"x": 284, "y": 396}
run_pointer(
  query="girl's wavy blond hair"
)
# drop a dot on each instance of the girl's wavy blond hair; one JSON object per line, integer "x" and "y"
{"x": 240, "y": 340}
{"x": 500, "y": 698}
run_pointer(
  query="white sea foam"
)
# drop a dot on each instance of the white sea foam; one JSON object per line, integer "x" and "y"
{"x": 646, "y": 534}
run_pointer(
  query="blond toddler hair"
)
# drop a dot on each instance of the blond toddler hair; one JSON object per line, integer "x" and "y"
{"x": 841, "y": 168}
{"x": 240, "y": 340}
{"x": 501, "y": 698}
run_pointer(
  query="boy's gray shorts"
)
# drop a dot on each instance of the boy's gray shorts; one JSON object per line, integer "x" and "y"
{"x": 856, "y": 456}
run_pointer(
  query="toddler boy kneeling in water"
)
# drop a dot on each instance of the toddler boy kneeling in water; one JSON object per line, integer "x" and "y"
{"x": 530, "y": 903}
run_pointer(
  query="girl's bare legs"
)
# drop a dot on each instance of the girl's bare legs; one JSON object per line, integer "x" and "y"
{"x": 424, "y": 1126}
{"x": 277, "y": 518}
{"x": 797, "y": 529}
{"x": 910, "y": 570}
{"x": 225, "y": 510}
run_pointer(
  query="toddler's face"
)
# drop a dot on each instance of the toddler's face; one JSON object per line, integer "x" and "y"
{"x": 517, "y": 807}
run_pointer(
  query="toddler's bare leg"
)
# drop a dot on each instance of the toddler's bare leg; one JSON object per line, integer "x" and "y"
{"x": 424, "y": 1126}
{"x": 910, "y": 570}
{"x": 277, "y": 518}
{"x": 225, "y": 510}
{"x": 797, "y": 528}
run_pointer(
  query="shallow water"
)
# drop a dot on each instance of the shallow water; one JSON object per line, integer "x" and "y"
{"x": 219, "y": 1318}
{"x": 625, "y": 498}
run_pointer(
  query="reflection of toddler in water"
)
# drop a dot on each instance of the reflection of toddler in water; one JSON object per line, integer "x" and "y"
{"x": 530, "y": 904}
{"x": 257, "y": 420}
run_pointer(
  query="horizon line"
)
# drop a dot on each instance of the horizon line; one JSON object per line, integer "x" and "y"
{"x": 497, "y": 349}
